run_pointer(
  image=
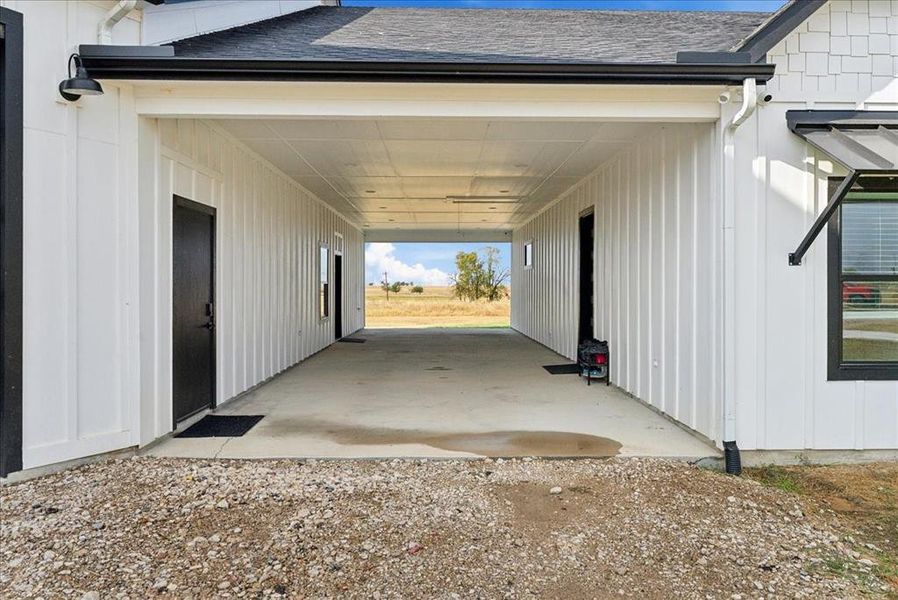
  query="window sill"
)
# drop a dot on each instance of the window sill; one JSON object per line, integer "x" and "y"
{"x": 863, "y": 372}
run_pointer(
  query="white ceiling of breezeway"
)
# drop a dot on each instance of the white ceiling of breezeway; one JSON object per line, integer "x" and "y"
{"x": 436, "y": 174}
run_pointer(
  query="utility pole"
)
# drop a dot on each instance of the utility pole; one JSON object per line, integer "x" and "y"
{"x": 387, "y": 286}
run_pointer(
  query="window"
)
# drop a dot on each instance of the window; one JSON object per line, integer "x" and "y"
{"x": 863, "y": 282}
{"x": 528, "y": 254}
{"x": 324, "y": 278}
{"x": 338, "y": 244}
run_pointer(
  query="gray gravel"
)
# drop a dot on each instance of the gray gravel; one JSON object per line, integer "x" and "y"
{"x": 632, "y": 528}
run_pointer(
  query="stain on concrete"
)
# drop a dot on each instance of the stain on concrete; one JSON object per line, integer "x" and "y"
{"x": 488, "y": 443}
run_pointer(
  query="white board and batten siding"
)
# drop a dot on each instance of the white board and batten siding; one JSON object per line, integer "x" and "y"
{"x": 97, "y": 252}
{"x": 845, "y": 57}
{"x": 80, "y": 236}
{"x": 269, "y": 230}
{"x": 176, "y": 21}
{"x": 657, "y": 283}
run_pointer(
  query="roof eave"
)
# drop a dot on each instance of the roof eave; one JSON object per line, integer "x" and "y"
{"x": 225, "y": 69}
{"x": 777, "y": 27}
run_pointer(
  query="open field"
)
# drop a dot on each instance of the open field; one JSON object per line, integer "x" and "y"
{"x": 436, "y": 307}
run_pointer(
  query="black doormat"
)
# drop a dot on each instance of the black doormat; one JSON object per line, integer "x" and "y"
{"x": 221, "y": 426}
{"x": 573, "y": 369}
{"x": 349, "y": 340}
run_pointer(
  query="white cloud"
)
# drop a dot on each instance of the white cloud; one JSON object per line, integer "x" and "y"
{"x": 379, "y": 258}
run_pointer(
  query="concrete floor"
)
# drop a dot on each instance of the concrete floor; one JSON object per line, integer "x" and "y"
{"x": 439, "y": 393}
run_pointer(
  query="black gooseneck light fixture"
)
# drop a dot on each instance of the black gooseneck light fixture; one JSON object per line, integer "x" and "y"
{"x": 81, "y": 84}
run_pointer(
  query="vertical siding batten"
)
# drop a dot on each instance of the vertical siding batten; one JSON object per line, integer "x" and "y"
{"x": 651, "y": 296}
{"x": 268, "y": 229}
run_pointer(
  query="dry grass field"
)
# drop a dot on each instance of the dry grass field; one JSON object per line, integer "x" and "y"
{"x": 436, "y": 307}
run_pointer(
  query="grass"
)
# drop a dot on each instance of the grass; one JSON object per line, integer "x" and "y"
{"x": 436, "y": 307}
{"x": 779, "y": 478}
{"x": 865, "y": 497}
{"x": 869, "y": 350}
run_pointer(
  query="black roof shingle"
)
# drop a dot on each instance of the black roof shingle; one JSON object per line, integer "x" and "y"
{"x": 476, "y": 36}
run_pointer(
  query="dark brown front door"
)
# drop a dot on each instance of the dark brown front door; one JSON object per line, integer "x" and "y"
{"x": 338, "y": 296}
{"x": 193, "y": 311}
{"x": 587, "y": 270}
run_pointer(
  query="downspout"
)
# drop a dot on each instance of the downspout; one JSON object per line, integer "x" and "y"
{"x": 732, "y": 458}
{"x": 115, "y": 14}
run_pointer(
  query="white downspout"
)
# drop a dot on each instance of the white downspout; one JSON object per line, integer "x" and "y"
{"x": 115, "y": 14}
{"x": 749, "y": 103}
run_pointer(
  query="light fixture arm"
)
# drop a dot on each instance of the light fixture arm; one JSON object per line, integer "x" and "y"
{"x": 74, "y": 58}
{"x": 78, "y": 83}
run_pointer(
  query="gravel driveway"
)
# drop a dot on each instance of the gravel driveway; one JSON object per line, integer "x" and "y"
{"x": 636, "y": 528}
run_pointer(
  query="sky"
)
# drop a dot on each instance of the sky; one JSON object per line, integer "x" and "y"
{"x": 423, "y": 264}
{"x": 739, "y": 5}
{"x": 431, "y": 264}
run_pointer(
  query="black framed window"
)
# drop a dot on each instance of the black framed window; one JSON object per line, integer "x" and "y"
{"x": 528, "y": 254}
{"x": 324, "y": 271}
{"x": 863, "y": 281}
{"x": 11, "y": 239}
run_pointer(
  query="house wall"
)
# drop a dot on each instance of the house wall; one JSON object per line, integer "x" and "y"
{"x": 85, "y": 361}
{"x": 838, "y": 59}
{"x": 845, "y": 57}
{"x": 266, "y": 278}
{"x": 168, "y": 22}
{"x": 657, "y": 284}
{"x": 80, "y": 194}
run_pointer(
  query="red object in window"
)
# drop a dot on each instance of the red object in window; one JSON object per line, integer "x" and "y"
{"x": 601, "y": 359}
{"x": 860, "y": 293}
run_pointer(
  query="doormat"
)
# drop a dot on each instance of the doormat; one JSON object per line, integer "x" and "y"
{"x": 573, "y": 369}
{"x": 221, "y": 426}
{"x": 348, "y": 340}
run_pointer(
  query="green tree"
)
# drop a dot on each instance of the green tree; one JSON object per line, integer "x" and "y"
{"x": 478, "y": 276}
{"x": 417, "y": 289}
{"x": 493, "y": 277}
{"x": 468, "y": 272}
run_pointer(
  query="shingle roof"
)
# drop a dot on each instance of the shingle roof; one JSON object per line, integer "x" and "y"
{"x": 476, "y": 35}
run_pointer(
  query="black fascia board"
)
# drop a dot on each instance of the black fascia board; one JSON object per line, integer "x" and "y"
{"x": 226, "y": 69}
{"x": 804, "y": 120}
{"x": 691, "y": 56}
{"x": 116, "y": 51}
{"x": 759, "y": 43}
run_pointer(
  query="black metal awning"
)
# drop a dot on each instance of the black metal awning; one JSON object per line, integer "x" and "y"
{"x": 865, "y": 142}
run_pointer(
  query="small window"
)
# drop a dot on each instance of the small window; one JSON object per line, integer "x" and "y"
{"x": 528, "y": 254}
{"x": 338, "y": 244}
{"x": 324, "y": 278}
{"x": 863, "y": 282}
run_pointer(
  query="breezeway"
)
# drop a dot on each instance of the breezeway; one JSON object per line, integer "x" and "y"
{"x": 440, "y": 393}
